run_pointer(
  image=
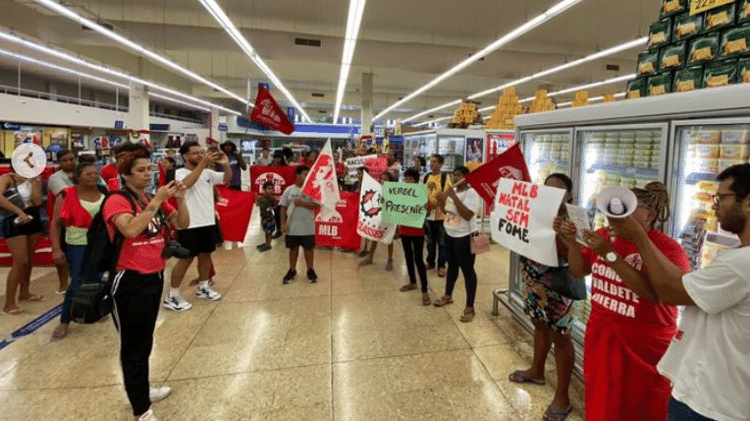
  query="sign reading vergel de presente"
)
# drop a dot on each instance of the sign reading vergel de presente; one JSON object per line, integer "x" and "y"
{"x": 523, "y": 217}
{"x": 405, "y": 204}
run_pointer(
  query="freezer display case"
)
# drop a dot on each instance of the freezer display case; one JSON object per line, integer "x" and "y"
{"x": 498, "y": 141}
{"x": 452, "y": 147}
{"x": 702, "y": 150}
{"x": 419, "y": 144}
{"x": 547, "y": 152}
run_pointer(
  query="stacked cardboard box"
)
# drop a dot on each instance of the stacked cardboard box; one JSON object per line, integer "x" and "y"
{"x": 541, "y": 102}
{"x": 505, "y": 112}
{"x": 581, "y": 99}
{"x": 687, "y": 52}
{"x": 466, "y": 115}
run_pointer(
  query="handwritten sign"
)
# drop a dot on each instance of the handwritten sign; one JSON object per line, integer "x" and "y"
{"x": 700, "y": 6}
{"x": 371, "y": 225}
{"x": 405, "y": 204}
{"x": 523, "y": 217}
{"x": 357, "y": 162}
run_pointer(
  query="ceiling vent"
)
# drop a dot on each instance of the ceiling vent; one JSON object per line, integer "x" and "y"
{"x": 308, "y": 42}
{"x": 318, "y": 95}
{"x": 613, "y": 67}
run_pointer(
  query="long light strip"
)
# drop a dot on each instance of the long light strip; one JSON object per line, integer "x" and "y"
{"x": 136, "y": 47}
{"x": 353, "y": 22}
{"x": 604, "y": 53}
{"x": 507, "y": 38}
{"x": 61, "y": 55}
{"x": 92, "y": 77}
{"x": 238, "y": 38}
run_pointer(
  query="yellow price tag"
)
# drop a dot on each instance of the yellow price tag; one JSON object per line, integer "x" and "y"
{"x": 700, "y": 6}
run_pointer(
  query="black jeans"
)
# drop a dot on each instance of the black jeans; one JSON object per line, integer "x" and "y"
{"x": 436, "y": 242}
{"x": 460, "y": 256}
{"x": 277, "y": 217}
{"x": 413, "y": 254}
{"x": 137, "y": 298}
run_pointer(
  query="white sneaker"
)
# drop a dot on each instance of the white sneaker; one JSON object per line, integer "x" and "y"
{"x": 157, "y": 394}
{"x": 177, "y": 303}
{"x": 147, "y": 416}
{"x": 207, "y": 293}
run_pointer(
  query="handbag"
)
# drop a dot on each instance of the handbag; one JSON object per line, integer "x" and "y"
{"x": 14, "y": 197}
{"x": 91, "y": 302}
{"x": 564, "y": 283}
{"x": 480, "y": 243}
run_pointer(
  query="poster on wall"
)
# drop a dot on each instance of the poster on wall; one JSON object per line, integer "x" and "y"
{"x": 474, "y": 153}
{"x": 522, "y": 219}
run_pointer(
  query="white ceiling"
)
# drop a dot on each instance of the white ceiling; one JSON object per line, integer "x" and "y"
{"x": 404, "y": 44}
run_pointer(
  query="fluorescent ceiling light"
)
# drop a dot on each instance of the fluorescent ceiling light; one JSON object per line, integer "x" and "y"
{"x": 604, "y": 53}
{"x": 136, "y": 47}
{"x": 64, "y": 56}
{"x": 353, "y": 22}
{"x": 92, "y": 77}
{"x": 512, "y": 35}
{"x": 595, "y": 84}
{"x": 238, "y": 38}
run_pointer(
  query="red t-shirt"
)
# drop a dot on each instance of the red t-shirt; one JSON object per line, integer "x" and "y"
{"x": 141, "y": 254}
{"x": 610, "y": 296}
{"x": 340, "y": 169}
{"x": 410, "y": 231}
{"x": 109, "y": 172}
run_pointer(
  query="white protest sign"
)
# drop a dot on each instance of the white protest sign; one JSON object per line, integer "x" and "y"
{"x": 523, "y": 217}
{"x": 371, "y": 224}
{"x": 353, "y": 164}
{"x": 580, "y": 217}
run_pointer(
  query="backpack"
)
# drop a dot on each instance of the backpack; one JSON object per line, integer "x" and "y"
{"x": 93, "y": 301}
{"x": 443, "y": 177}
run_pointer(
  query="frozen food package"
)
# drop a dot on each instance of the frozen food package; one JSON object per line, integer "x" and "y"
{"x": 720, "y": 73}
{"x": 703, "y": 49}
{"x": 707, "y": 165}
{"x": 705, "y": 137}
{"x": 743, "y": 70}
{"x": 688, "y": 79}
{"x": 659, "y": 33}
{"x": 729, "y": 151}
{"x": 673, "y": 7}
{"x": 721, "y": 17}
{"x": 660, "y": 84}
{"x": 707, "y": 151}
{"x": 637, "y": 88}
{"x": 726, "y": 163}
{"x": 743, "y": 11}
{"x": 686, "y": 26}
{"x": 735, "y": 136}
{"x": 673, "y": 56}
{"x": 735, "y": 42}
{"x": 648, "y": 63}
{"x": 710, "y": 187}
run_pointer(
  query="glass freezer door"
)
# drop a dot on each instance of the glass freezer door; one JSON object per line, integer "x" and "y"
{"x": 704, "y": 148}
{"x": 547, "y": 152}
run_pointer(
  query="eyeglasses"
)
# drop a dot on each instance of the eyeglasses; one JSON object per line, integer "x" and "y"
{"x": 718, "y": 197}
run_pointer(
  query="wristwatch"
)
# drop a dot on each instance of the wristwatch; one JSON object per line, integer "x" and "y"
{"x": 611, "y": 257}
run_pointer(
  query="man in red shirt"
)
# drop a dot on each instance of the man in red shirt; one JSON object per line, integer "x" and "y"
{"x": 109, "y": 171}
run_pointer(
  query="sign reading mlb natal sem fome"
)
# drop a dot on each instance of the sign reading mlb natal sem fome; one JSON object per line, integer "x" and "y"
{"x": 523, "y": 217}
{"x": 405, "y": 204}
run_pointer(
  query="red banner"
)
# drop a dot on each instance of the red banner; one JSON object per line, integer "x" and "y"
{"x": 336, "y": 229}
{"x": 376, "y": 166}
{"x": 235, "y": 209}
{"x": 281, "y": 177}
{"x": 268, "y": 113}
{"x": 509, "y": 164}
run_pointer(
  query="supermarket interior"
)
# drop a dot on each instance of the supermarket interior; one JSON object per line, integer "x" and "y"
{"x": 646, "y": 101}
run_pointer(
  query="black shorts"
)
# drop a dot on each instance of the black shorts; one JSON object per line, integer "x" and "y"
{"x": 306, "y": 241}
{"x": 198, "y": 240}
{"x": 10, "y": 229}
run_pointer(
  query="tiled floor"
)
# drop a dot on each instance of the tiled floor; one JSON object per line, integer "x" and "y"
{"x": 351, "y": 347}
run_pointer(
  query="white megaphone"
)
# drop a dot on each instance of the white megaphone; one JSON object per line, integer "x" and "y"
{"x": 616, "y": 202}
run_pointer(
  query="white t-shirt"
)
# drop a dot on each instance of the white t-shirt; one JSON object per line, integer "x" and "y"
{"x": 454, "y": 224}
{"x": 200, "y": 197}
{"x": 709, "y": 358}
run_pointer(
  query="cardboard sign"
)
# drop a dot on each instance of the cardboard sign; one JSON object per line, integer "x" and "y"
{"x": 333, "y": 229}
{"x": 405, "y": 204}
{"x": 370, "y": 224}
{"x": 523, "y": 217}
{"x": 353, "y": 164}
{"x": 700, "y": 6}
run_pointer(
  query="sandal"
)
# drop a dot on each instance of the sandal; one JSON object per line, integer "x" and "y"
{"x": 408, "y": 287}
{"x": 552, "y": 415}
{"x": 389, "y": 266}
{"x": 60, "y": 332}
{"x": 467, "y": 316}
{"x": 33, "y": 297}
{"x": 426, "y": 299}
{"x": 14, "y": 312}
{"x": 366, "y": 262}
{"x": 520, "y": 377}
{"x": 444, "y": 300}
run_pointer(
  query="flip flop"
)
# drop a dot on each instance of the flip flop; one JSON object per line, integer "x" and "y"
{"x": 13, "y": 312}
{"x": 33, "y": 298}
{"x": 552, "y": 415}
{"x": 519, "y": 377}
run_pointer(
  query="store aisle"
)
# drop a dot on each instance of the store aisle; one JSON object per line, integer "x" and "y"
{"x": 351, "y": 347}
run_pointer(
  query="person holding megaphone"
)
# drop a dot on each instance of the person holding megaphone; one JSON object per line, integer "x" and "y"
{"x": 629, "y": 330}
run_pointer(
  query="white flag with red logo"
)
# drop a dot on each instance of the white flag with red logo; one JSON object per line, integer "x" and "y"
{"x": 321, "y": 184}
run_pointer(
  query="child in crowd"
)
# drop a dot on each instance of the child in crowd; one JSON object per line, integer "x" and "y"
{"x": 298, "y": 223}
{"x": 266, "y": 204}
{"x": 412, "y": 239}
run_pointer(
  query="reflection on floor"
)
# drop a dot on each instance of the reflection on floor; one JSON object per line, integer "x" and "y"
{"x": 351, "y": 347}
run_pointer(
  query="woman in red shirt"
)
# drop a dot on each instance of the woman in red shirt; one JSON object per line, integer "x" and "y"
{"x": 138, "y": 281}
{"x": 629, "y": 330}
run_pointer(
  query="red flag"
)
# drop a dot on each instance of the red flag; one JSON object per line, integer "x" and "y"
{"x": 509, "y": 164}
{"x": 235, "y": 209}
{"x": 268, "y": 113}
{"x": 333, "y": 229}
{"x": 281, "y": 177}
{"x": 321, "y": 183}
{"x": 376, "y": 166}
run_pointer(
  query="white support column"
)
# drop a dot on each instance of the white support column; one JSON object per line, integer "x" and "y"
{"x": 138, "y": 109}
{"x": 366, "y": 103}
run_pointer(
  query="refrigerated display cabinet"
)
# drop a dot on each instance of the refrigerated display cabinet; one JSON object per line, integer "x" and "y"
{"x": 450, "y": 143}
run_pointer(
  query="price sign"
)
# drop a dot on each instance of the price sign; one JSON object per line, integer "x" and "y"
{"x": 700, "y": 6}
